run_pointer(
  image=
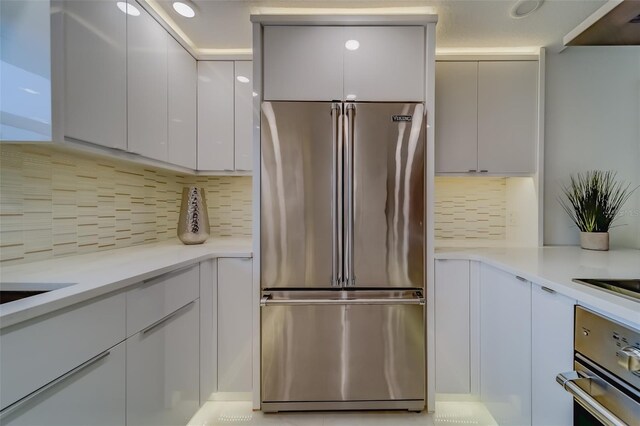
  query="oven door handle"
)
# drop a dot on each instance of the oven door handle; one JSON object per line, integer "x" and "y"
{"x": 569, "y": 382}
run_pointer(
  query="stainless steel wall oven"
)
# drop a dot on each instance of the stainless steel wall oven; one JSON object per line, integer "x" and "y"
{"x": 605, "y": 383}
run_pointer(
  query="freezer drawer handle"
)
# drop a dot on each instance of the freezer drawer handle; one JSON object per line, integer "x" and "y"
{"x": 267, "y": 301}
{"x": 568, "y": 382}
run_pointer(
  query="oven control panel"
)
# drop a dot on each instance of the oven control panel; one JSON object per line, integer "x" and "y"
{"x": 608, "y": 343}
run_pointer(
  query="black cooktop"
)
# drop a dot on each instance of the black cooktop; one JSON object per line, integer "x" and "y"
{"x": 629, "y": 288}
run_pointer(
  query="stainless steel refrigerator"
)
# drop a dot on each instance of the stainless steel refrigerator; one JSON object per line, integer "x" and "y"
{"x": 342, "y": 256}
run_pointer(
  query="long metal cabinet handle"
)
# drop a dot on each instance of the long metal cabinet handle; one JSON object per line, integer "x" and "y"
{"x": 22, "y": 401}
{"x": 167, "y": 318}
{"x": 336, "y": 266}
{"x": 350, "y": 279}
{"x": 267, "y": 301}
{"x": 568, "y": 382}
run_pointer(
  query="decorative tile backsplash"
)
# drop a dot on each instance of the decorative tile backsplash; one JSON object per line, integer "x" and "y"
{"x": 470, "y": 208}
{"x": 56, "y": 203}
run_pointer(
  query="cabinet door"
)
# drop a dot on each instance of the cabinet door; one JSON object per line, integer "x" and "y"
{"x": 387, "y": 65}
{"x": 243, "y": 115}
{"x": 456, "y": 117}
{"x": 95, "y": 73}
{"x": 505, "y": 346}
{"x": 208, "y": 329}
{"x": 25, "y": 70}
{"x": 507, "y": 116}
{"x": 146, "y": 85}
{"x": 453, "y": 360}
{"x": 92, "y": 395}
{"x": 552, "y": 346}
{"x": 234, "y": 325}
{"x": 215, "y": 115}
{"x": 163, "y": 370}
{"x": 302, "y": 63}
{"x": 182, "y": 86}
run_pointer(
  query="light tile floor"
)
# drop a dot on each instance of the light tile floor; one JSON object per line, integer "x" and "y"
{"x": 240, "y": 413}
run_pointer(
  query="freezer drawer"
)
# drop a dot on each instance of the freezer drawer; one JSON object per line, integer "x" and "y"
{"x": 368, "y": 348}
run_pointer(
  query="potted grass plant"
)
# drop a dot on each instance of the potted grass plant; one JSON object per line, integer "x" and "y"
{"x": 593, "y": 201}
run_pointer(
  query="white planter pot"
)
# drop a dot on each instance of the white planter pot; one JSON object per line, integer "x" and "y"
{"x": 594, "y": 240}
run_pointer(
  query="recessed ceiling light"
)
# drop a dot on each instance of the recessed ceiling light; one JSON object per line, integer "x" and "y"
{"x": 128, "y": 8}
{"x": 242, "y": 79}
{"x": 255, "y": 94}
{"x": 524, "y": 8}
{"x": 184, "y": 9}
{"x": 352, "y": 44}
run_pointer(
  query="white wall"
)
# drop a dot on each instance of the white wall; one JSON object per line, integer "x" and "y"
{"x": 592, "y": 122}
{"x": 521, "y": 212}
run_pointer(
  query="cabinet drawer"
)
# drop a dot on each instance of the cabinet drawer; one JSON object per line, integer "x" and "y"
{"x": 92, "y": 395}
{"x": 160, "y": 296}
{"x": 38, "y": 351}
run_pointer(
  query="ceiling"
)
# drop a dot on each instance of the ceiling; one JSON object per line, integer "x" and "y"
{"x": 463, "y": 24}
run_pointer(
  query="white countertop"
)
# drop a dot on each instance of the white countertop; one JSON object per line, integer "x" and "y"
{"x": 555, "y": 267}
{"x": 102, "y": 272}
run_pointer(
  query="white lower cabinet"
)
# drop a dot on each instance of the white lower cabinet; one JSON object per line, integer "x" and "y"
{"x": 505, "y": 346}
{"x": 163, "y": 370}
{"x": 552, "y": 353}
{"x": 189, "y": 335}
{"x": 525, "y": 338}
{"x": 38, "y": 351}
{"x": 452, "y": 301}
{"x": 208, "y": 329}
{"x": 234, "y": 325}
{"x": 92, "y": 394}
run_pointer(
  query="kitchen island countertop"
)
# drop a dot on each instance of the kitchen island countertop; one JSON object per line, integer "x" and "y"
{"x": 99, "y": 273}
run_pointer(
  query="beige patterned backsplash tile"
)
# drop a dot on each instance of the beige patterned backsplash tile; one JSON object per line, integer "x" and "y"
{"x": 58, "y": 203}
{"x": 470, "y": 208}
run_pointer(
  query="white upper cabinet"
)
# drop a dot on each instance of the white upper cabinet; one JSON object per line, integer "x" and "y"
{"x": 507, "y": 116}
{"x": 384, "y": 63}
{"x": 215, "y": 115}
{"x": 243, "y": 115}
{"x": 147, "y": 85}
{"x": 25, "y": 67}
{"x": 302, "y": 63}
{"x": 316, "y": 63}
{"x": 95, "y": 73}
{"x": 225, "y": 115}
{"x": 182, "y": 89}
{"x": 456, "y": 117}
{"x": 486, "y": 118}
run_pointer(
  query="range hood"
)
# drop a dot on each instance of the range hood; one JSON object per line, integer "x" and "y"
{"x": 616, "y": 23}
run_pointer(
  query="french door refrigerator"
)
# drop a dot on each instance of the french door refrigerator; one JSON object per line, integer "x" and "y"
{"x": 342, "y": 256}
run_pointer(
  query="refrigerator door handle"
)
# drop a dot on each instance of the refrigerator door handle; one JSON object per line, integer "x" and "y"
{"x": 350, "y": 109}
{"x": 336, "y": 260}
{"x": 416, "y": 300}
